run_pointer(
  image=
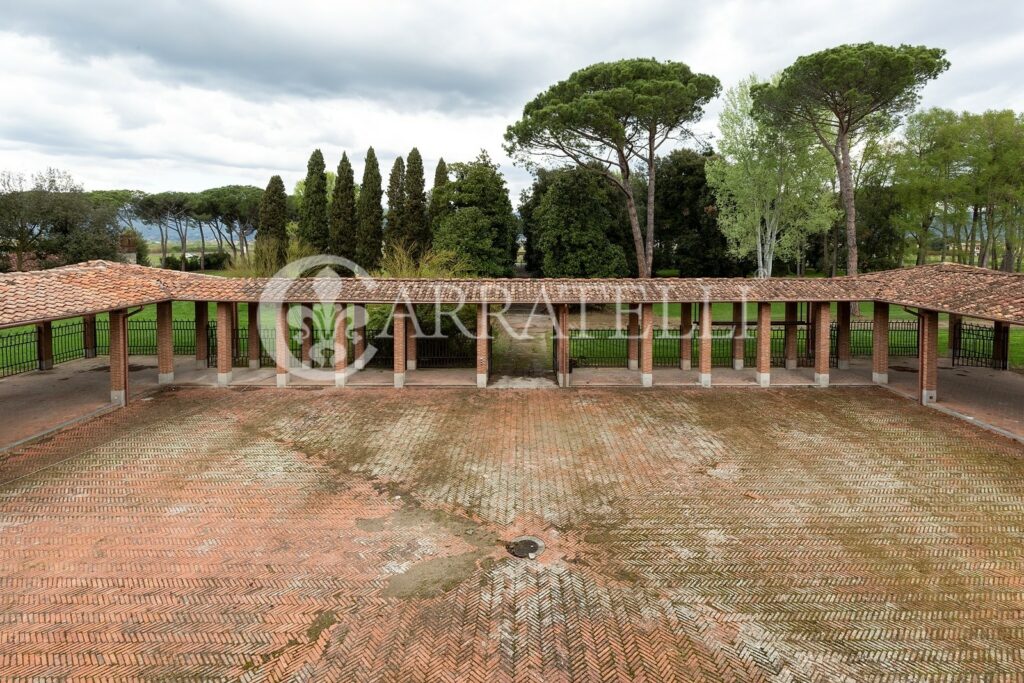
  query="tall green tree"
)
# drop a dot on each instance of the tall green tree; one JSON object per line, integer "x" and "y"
{"x": 395, "y": 230}
{"x": 313, "y": 228}
{"x": 272, "y": 235}
{"x": 369, "y": 215}
{"x": 476, "y": 218}
{"x": 343, "y": 211}
{"x": 614, "y": 117}
{"x": 771, "y": 185}
{"x": 839, "y": 93}
{"x": 437, "y": 206}
{"x": 416, "y": 227}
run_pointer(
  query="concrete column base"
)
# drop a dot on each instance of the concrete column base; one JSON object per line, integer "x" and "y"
{"x": 705, "y": 379}
{"x": 223, "y": 378}
{"x": 165, "y": 378}
{"x": 307, "y": 365}
{"x": 359, "y": 363}
{"x": 117, "y": 398}
{"x": 764, "y": 379}
{"x": 254, "y": 365}
{"x": 399, "y": 380}
{"x": 632, "y": 364}
{"x": 737, "y": 364}
{"x": 563, "y": 381}
{"x": 282, "y": 379}
{"x": 880, "y": 377}
{"x": 843, "y": 364}
{"x": 646, "y": 379}
{"x": 821, "y": 379}
{"x": 481, "y": 381}
{"x": 791, "y": 363}
{"x": 340, "y": 378}
{"x": 685, "y": 364}
{"x": 928, "y": 397}
{"x": 410, "y": 365}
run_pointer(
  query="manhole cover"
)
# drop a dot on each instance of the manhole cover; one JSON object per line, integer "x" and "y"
{"x": 528, "y": 547}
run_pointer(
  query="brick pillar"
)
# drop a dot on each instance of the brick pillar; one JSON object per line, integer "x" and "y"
{"x": 44, "y": 345}
{"x": 647, "y": 345}
{"x": 764, "y": 343}
{"x": 633, "y": 341}
{"x": 685, "y": 335}
{"x": 282, "y": 354}
{"x": 562, "y": 347}
{"x": 119, "y": 357}
{"x": 705, "y": 344}
{"x": 928, "y": 356}
{"x": 1000, "y": 345}
{"x": 955, "y": 330}
{"x": 306, "y": 324}
{"x": 822, "y": 323}
{"x": 410, "y": 340}
{"x": 164, "y": 342}
{"x": 202, "y": 320}
{"x": 89, "y": 336}
{"x": 483, "y": 345}
{"x": 224, "y": 334}
{"x": 738, "y": 335}
{"x": 359, "y": 337}
{"x": 235, "y": 341}
{"x": 399, "y": 333}
{"x": 880, "y": 344}
{"x": 254, "y": 343}
{"x": 791, "y": 334}
{"x": 843, "y": 335}
{"x": 340, "y": 344}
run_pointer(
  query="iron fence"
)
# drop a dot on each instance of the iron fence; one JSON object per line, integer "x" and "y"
{"x": 979, "y": 346}
{"x": 19, "y": 352}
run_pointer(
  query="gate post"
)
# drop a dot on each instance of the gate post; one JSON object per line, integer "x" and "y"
{"x": 44, "y": 345}
{"x": 89, "y": 336}
{"x": 843, "y": 335}
{"x": 790, "y": 334}
{"x": 1000, "y": 345}
{"x": 739, "y": 332}
{"x": 632, "y": 338}
{"x": 410, "y": 339}
{"x": 685, "y": 335}
{"x": 202, "y": 333}
{"x": 254, "y": 342}
{"x": 306, "y": 327}
{"x": 955, "y": 329}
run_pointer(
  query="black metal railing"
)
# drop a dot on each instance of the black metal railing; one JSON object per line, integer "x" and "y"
{"x": 984, "y": 346}
{"x": 19, "y": 352}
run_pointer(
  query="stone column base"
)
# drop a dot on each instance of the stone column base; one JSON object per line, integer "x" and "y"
{"x": 254, "y": 365}
{"x": 880, "y": 377}
{"x": 737, "y": 364}
{"x": 481, "y": 380}
{"x": 117, "y": 397}
{"x": 843, "y": 364}
{"x": 200, "y": 363}
{"x": 928, "y": 397}
{"x": 282, "y": 379}
{"x": 646, "y": 379}
{"x": 764, "y": 379}
{"x": 307, "y": 365}
{"x": 685, "y": 364}
{"x": 563, "y": 380}
{"x": 359, "y": 363}
{"x": 399, "y": 380}
{"x": 410, "y": 365}
{"x": 632, "y": 364}
{"x": 705, "y": 379}
{"x": 791, "y": 363}
{"x": 821, "y": 379}
{"x": 223, "y": 378}
{"x": 165, "y": 378}
{"x": 340, "y": 379}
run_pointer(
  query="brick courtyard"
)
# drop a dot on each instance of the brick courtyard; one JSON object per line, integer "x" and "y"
{"x": 793, "y": 534}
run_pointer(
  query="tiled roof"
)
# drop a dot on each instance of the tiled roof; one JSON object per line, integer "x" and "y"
{"x": 98, "y": 286}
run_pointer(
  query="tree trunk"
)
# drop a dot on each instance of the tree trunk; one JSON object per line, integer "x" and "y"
{"x": 846, "y": 191}
{"x": 202, "y": 246}
{"x": 638, "y": 240}
{"x": 649, "y": 254}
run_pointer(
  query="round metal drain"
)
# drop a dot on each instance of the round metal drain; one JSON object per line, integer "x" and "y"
{"x": 526, "y": 547}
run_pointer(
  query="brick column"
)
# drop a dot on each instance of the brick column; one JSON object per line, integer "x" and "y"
{"x": 928, "y": 356}
{"x": 282, "y": 354}
{"x": 1000, "y": 345}
{"x": 633, "y": 341}
{"x": 562, "y": 347}
{"x": 483, "y": 345}
{"x": 89, "y": 336}
{"x": 44, "y": 345}
{"x": 738, "y": 334}
{"x": 764, "y": 343}
{"x": 822, "y": 323}
{"x": 164, "y": 343}
{"x": 359, "y": 337}
{"x": 306, "y": 324}
{"x": 119, "y": 357}
{"x": 202, "y": 319}
{"x": 880, "y": 344}
{"x": 843, "y": 335}
{"x": 399, "y": 340}
{"x": 955, "y": 330}
{"x": 647, "y": 345}
{"x": 685, "y": 335}
{"x": 254, "y": 343}
{"x": 705, "y": 344}
{"x": 791, "y": 334}
{"x": 235, "y": 341}
{"x": 224, "y": 334}
{"x": 410, "y": 339}
{"x": 340, "y": 344}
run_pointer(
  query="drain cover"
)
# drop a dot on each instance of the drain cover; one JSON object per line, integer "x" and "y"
{"x": 525, "y": 546}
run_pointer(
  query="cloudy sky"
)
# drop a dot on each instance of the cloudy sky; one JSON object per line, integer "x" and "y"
{"x": 161, "y": 95}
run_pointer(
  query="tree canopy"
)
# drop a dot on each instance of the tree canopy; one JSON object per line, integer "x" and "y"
{"x": 342, "y": 220}
{"x": 272, "y": 235}
{"x": 369, "y": 215}
{"x": 313, "y": 225}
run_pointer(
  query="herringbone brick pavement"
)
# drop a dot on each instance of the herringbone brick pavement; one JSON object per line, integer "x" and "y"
{"x": 268, "y": 535}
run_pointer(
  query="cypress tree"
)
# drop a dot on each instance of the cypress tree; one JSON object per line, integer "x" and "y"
{"x": 272, "y": 235}
{"x": 438, "y": 201}
{"x": 395, "y": 232}
{"x": 416, "y": 227}
{"x": 343, "y": 212}
{"x": 313, "y": 228}
{"x": 369, "y": 215}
